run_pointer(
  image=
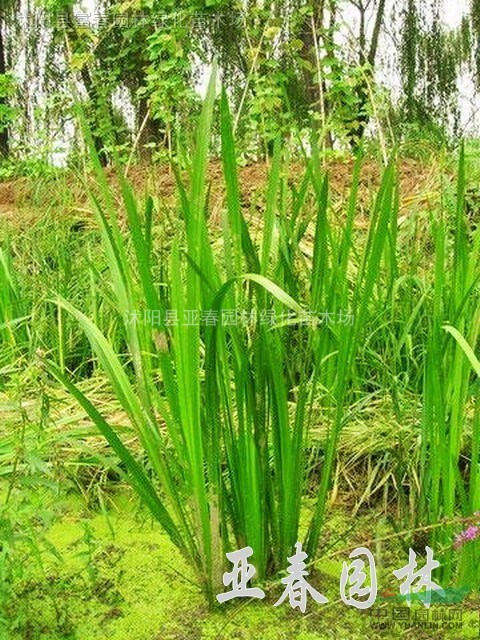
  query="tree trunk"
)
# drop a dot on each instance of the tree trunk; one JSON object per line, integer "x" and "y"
{"x": 148, "y": 129}
{"x": 4, "y": 139}
{"x": 362, "y": 91}
{"x": 372, "y": 54}
{"x": 316, "y": 92}
{"x": 95, "y": 112}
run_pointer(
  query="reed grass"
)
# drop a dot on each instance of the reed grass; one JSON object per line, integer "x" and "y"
{"x": 223, "y": 412}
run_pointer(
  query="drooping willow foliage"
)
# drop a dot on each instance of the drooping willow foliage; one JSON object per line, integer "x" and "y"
{"x": 471, "y": 36}
{"x": 285, "y": 65}
{"x": 432, "y": 59}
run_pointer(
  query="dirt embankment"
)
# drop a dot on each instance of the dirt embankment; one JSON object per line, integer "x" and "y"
{"x": 7, "y": 197}
{"x": 25, "y": 200}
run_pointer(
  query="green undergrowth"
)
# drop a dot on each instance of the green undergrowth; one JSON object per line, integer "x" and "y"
{"x": 114, "y": 575}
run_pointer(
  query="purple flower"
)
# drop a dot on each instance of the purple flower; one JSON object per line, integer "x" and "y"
{"x": 470, "y": 533}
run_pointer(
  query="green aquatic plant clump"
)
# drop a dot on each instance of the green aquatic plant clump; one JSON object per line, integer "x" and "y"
{"x": 223, "y": 410}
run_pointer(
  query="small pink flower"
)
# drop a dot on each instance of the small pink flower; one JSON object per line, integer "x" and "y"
{"x": 470, "y": 533}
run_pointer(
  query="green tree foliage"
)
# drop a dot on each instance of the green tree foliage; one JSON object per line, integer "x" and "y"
{"x": 7, "y": 86}
{"x": 287, "y": 66}
{"x": 432, "y": 58}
